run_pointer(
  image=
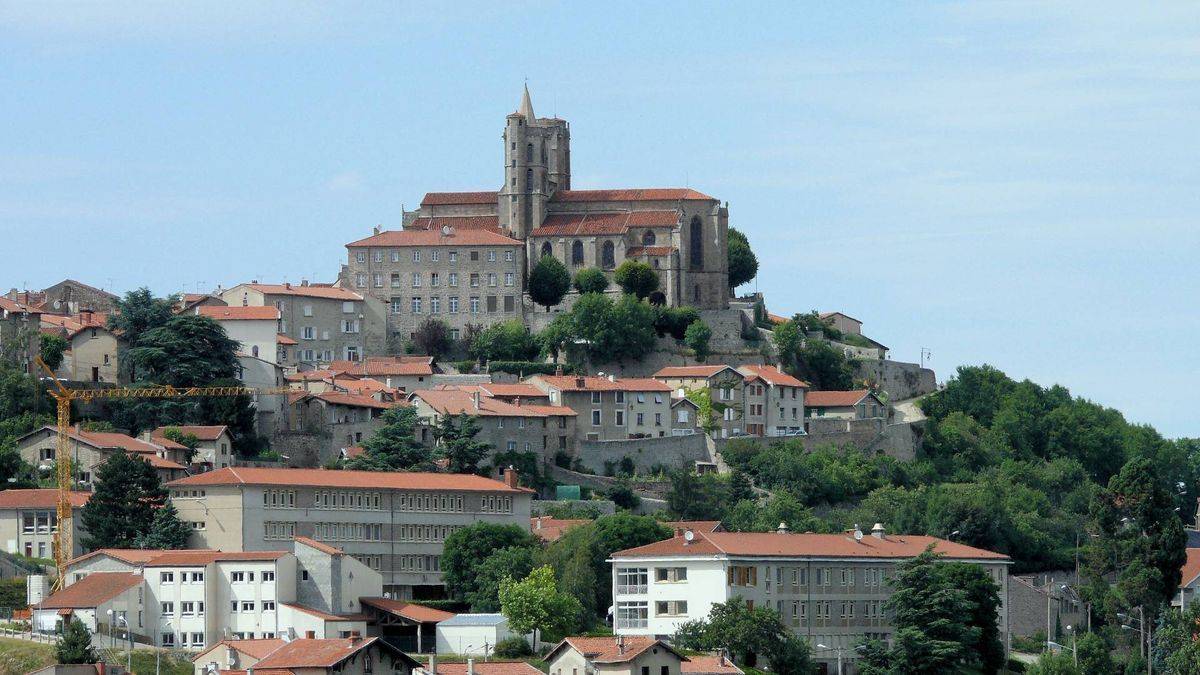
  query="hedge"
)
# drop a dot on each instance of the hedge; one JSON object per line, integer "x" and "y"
{"x": 528, "y": 368}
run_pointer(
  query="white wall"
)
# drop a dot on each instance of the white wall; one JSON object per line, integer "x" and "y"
{"x": 705, "y": 586}
{"x": 469, "y": 640}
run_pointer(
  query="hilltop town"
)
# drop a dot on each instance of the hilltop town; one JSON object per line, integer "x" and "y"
{"x": 540, "y": 396}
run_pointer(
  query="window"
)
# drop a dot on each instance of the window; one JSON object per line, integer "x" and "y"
{"x": 641, "y": 419}
{"x": 349, "y": 326}
{"x": 197, "y": 639}
{"x": 360, "y": 257}
{"x": 474, "y": 256}
{"x": 453, "y": 256}
{"x": 167, "y": 639}
{"x": 435, "y": 305}
{"x": 454, "y": 279}
{"x": 397, "y": 304}
{"x": 509, "y": 278}
{"x": 434, "y": 280}
{"x": 577, "y": 252}
{"x": 416, "y": 279}
{"x": 595, "y": 397}
{"x": 237, "y": 577}
{"x": 416, "y": 305}
{"x": 696, "y": 246}
{"x": 632, "y": 580}
{"x": 670, "y": 608}
{"x": 247, "y": 605}
{"x": 453, "y": 306}
{"x": 491, "y": 279}
{"x": 186, "y": 608}
{"x": 547, "y": 250}
{"x": 268, "y": 606}
{"x": 395, "y": 256}
{"x": 168, "y": 608}
{"x": 608, "y": 257}
{"x": 378, "y": 256}
{"x": 508, "y": 256}
{"x": 491, "y": 256}
{"x": 648, "y": 238}
{"x": 307, "y": 311}
{"x": 474, "y": 280}
{"x": 619, "y": 419}
{"x": 475, "y": 305}
{"x": 416, "y": 256}
{"x": 308, "y": 333}
{"x": 670, "y": 574}
{"x": 682, "y": 415}
{"x": 633, "y": 615}
{"x": 595, "y": 418}
{"x": 166, "y": 577}
{"x": 377, "y": 280}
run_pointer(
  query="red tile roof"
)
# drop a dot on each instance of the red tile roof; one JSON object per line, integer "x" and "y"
{"x": 693, "y": 371}
{"x": 91, "y": 591}
{"x": 255, "y": 648}
{"x": 487, "y": 668}
{"x": 323, "y": 548}
{"x": 770, "y": 374}
{"x": 608, "y": 650}
{"x": 649, "y": 250}
{"x": 10, "y": 306}
{"x": 307, "y": 653}
{"x": 629, "y": 195}
{"x": 350, "y": 400}
{"x": 772, "y": 544}
{"x": 408, "y": 610}
{"x": 597, "y": 383}
{"x": 239, "y": 313}
{"x": 159, "y": 462}
{"x": 457, "y": 402}
{"x": 323, "y": 615}
{"x": 697, "y": 525}
{"x": 188, "y": 558}
{"x": 309, "y": 291}
{"x": 108, "y": 440}
{"x": 38, "y": 498}
{"x": 452, "y": 198}
{"x": 834, "y": 399}
{"x": 551, "y": 529}
{"x": 512, "y": 390}
{"x": 285, "y": 340}
{"x": 204, "y": 433}
{"x": 576, "y": 224}
{"x": 243, "y": 475}
{"x": 377, "y": 366}
{"x": 457, "y": 222}
{"x": 132, "y": 556}
{"x": 709, "y": 664}
{"x": 1191, "y": 567}
{"x": 309, "y": 376}
{"x": 435, "y": 237}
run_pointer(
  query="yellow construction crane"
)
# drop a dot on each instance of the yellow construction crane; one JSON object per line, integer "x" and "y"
{"x": 64, "y": 479}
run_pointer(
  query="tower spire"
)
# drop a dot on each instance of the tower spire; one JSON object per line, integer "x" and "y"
{"x": 526, "y": 108}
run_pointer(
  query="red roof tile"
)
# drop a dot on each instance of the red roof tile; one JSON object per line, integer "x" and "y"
{"x": 597, "y": 383}
{"x": 188, "y": 558}
{"x": 681, "y": 372}
{"x": 709, "y": 664}
{"x": 323, "y": 548}
{"x": 457, "y": 402}
{"x": 204, "y": 433}
{"x": 608, "y": 650}
{"x": 772, "y": 544}
{"x": 309, "y": 291}
{"x": 38, "y": 498}
{"x": 408, "y": 610}
{"x": 457, "y": 222}
{"x": 255, "y": 648}
{"x": 132, "y": 556}
{"x": 239, "y": 313}
{"x": 16, "y": 307}
{"x": 770, "y": 374}
{"x": 1191, "y": 567}
{"x": 435, "y": 237}
{"x": 307, "y": 653}
{"x": 452, "y": 198}
{"x": 834, "y": 399}
{"x": 309, "y": 376}
{"x": 350, "y": 400}
{"x": 652, "y": 251}
{"x": 243, "y": 475}
{"x": 629, "y": 195}
{"x": 697, "y": 525}
{"x": 487, "y": 668}
{"x": 285, "y": 340}
{"x": 92, "y": 590}
{"x": 551, "y": 529}
{"x": 576, "y": 224}
{"x": 377, "y": 366}
{"x": 512, "y": 390}
{"x": 323, "y": 615}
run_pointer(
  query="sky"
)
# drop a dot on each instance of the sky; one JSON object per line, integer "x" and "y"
{"x": 1013, "y": 183}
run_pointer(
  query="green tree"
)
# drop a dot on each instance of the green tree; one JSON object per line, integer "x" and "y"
{"x": 187, "y": 351}
{"x": 535, "y": 605}
{"x": 696, "y": 338}
{"x": 743, "y": 264}
{"x": 187, "y": 440}
{"x": 787, "y": 339}
{"x": 590, "y": 280}
{"x": 975, "y": 390}
{"x": 740, "y": 486}
{"x": 1176, "y": 649}
{"x": 983, "y": 596}
{"x": 513, "y": 562}
{"x": 394, "y": 446}
{"x": 549, "y": 282}
{"x": 122, "y": 508}
{"x": 466, "y": 549}
{"x": 1050, "y": 663}
{"x": 505, "y": 341}
{"x": 456, "y": 436}
{"x": 432, "y": 337}
{"x": 52, "y": 349}
{"x": 747, "y": 633}
{"x": 623, "y": 496}
{"x": 137, "y": 313}
{"x": 694, "y": 497}
{"x": 166, "y": 531}
{"x": 1095, "y": 657}
{"x": 823, "y": 366}
{"x": 604, "y": 330}
{"x": 75, "y": 644}
{"x": 636, "y": 278}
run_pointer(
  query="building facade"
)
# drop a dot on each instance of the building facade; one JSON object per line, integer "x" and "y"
{"x": 395, "y": 523}
{"x": 726, "y": 389}
{"x": 611, "y": 408}
{"x": 507, "y": 426}
{"x": 774, "y": 401}
{"x": 90, "y": 449}
{"x": 256, "y": 329}
{"x": 828, "y": 588}
{"x": 29, "y": 521}
{"x": 20, "y": 334}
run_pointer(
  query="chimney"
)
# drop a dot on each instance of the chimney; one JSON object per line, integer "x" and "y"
{"x": 310, "y": 635}
{"x": 878, "y": 532}
{"x": 612, "y": 377}
{"x": 475, "y": 399}
{"x": 231, "y": 659}
{"x": 303, "y": 281}
{"x": 433, "y": 664}
{"x": 539, "y": 523}
{"x": 558, "y": 371}
{"x": 510, "y": 476}
{"x": 355, "y": 638}
{"x": 783, "y": 528}
{"x": 579, "y": 381}
{"x": 375, "y": 230}
{"x": 721, "y": 658}
{"x": 287, "y": 284}
{"x": 470, "y": 666}
{"x": 620, "y": 644}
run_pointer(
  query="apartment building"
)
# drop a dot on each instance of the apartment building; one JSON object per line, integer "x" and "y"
{"x": 611, "y": 408}
{"x": 29, "y": 521}
{"x": 90, "y": 449}
{"x": 457, "y": 275}
{"x": 725, "y": 385}
{"x": 774, "y": 401}
{"x": 828, "y": 588}
{"x": 395, "y": 523}
{"x": 255, "y": 328}
{"x": 214, "y": 444}
{"x": 509, "y": 425}
{"x": 337, "y": 419}
{"x": 327, "y": 323}
{"x": 93, "y": 353}
{"x": 192, "y": 599}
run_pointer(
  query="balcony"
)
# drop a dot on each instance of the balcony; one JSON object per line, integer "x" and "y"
{"x": 632, "y": 623}
{"x": 637, "y": 589}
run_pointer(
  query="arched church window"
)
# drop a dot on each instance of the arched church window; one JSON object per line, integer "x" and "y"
{"x": 577, "y": 252}
{"x": 696, "y": 245}
{"x": 529, "y": 152}
{"x": 648, "y": 238}
{"x": 529, "y": 180}
{"x": 546, "y": 250}
{"x": 608, "y": 255}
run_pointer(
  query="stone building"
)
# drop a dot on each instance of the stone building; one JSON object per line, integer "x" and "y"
{"x": 461, "y": 276}
{"x": 611, "y": 408}
{"x": 395, "y": 523}
{"x": 90, "y": 449}
{"x": 680, "y": 232}
{"x": 66, "y": 297}
{"x": 774, "y": 401}
{"x": 506, "y": 425}
{"x": 20, "y": 335}
{"x": 726, "y": 388}
{"x": 327, "y": 323}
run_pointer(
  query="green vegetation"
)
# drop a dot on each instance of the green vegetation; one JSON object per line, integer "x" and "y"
{"x": 166, "y": 531}
{"x": 22, "y": 656}
{"x": 468, "y": 548}
{"x": 505, "y": 341}
{"x": 52, "y": 349}
{"x": 128, "y": 500}
{"x": 636, "y": 278}
{"x": 601, "y": 330}
{"x": 394, "y": 446}
{"x": 534, "y": 604}
{"x": 549, "y": 281}
{"x": 432, "y": 337}
{"x": 457, "y": 444}
{"x": 696, "y": 338}
{"x": 590, "y": 280}
{"x": 747, "y": 633}
{"x": 75, "y": 644}
{"x": 743, "y": 264}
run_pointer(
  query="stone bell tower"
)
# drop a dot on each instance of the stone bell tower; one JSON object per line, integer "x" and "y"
{"x": 537, "y": 163}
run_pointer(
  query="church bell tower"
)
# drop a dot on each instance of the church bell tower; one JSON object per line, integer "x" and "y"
{"x": 537, "y": 163}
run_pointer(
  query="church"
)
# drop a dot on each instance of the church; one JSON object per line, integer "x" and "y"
{"x": 679, "y": 232}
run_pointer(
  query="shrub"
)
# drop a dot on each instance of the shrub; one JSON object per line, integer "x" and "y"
{"x": 591, "y": 280}
{"x": 696, "y": 338}
{"x": 505, "y": 341}
{"x": 513, "y": 648}
{"x": 528, "y": 368}
{"x": 675, "y": 321}
{"x": 636, "y": 278}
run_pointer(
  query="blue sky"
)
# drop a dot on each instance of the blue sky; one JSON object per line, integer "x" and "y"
{"x": 1012, "y": 183}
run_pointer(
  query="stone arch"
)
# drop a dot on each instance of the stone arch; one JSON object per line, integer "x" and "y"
{"x": 648, "y": 238}
{"x": 547, "y": 249}
{"x": 608, "y": 255}
{"x": 577, "y": 252}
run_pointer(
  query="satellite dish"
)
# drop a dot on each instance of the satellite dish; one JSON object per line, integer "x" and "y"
{"x": 689, "y": 535}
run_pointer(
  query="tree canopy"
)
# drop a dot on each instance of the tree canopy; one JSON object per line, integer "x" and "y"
{"x": 535, "y": 605}
{"x": 743, "y": 264}
{"x": 591, "y": 280}
{"x": 457, "y": 444}
{"x": 75, "y": 644}
{"x": 124, "y": 505}
{"x": 394, "y": 445}
{"x": 636, "y": 278}
{"x": 747, "y": 633}
{"x": 466, "y": 550}
{"x": 432, "y": 337}
{"x": 549, "y": 281}
{"x": 505, "y": 341}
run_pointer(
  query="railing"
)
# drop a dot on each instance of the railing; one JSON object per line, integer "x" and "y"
{"x": 632, "y": 623}
{"x": 637, "y": 589}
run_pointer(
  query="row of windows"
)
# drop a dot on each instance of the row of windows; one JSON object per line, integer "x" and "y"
{"x": 39, "y": 522}
{"x": 375, "y": 562}
{"x": 185, "y": 640}
{"x": 275, "y": 529}
{"x": 747, "y": 575}
{"x": 247, "y": 576}
{"x": 434, "y": 255}
{"x": 279, "y": 498}
{"x": 419, "y": 563}
{"x": 435, "y": 279}
{"x": 307, "y": 310}
{"x": 310, "y": 355}
{"x": 824, "y": 610}
{"x": 349, "y": 327}
{"x": 186, "y": 608}
{"x": 495, "y": 504}
{"x": 348, "y": 531}
{"x": 639, "y": 419}
{"x": 246, "y": 606}
{"x": 490, "y": 304}
{"x": 184, "y": 577}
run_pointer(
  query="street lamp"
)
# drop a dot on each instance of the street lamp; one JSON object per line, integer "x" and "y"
{"x": 121, "y": 617}
{"x": 1145, "y": 635}
{"x": 839, "y": 655}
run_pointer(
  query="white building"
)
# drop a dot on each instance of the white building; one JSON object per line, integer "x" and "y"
{"x": 255, "y": 328}
{"x": 471, "y": 634}
{"x": 828, "y": 588}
